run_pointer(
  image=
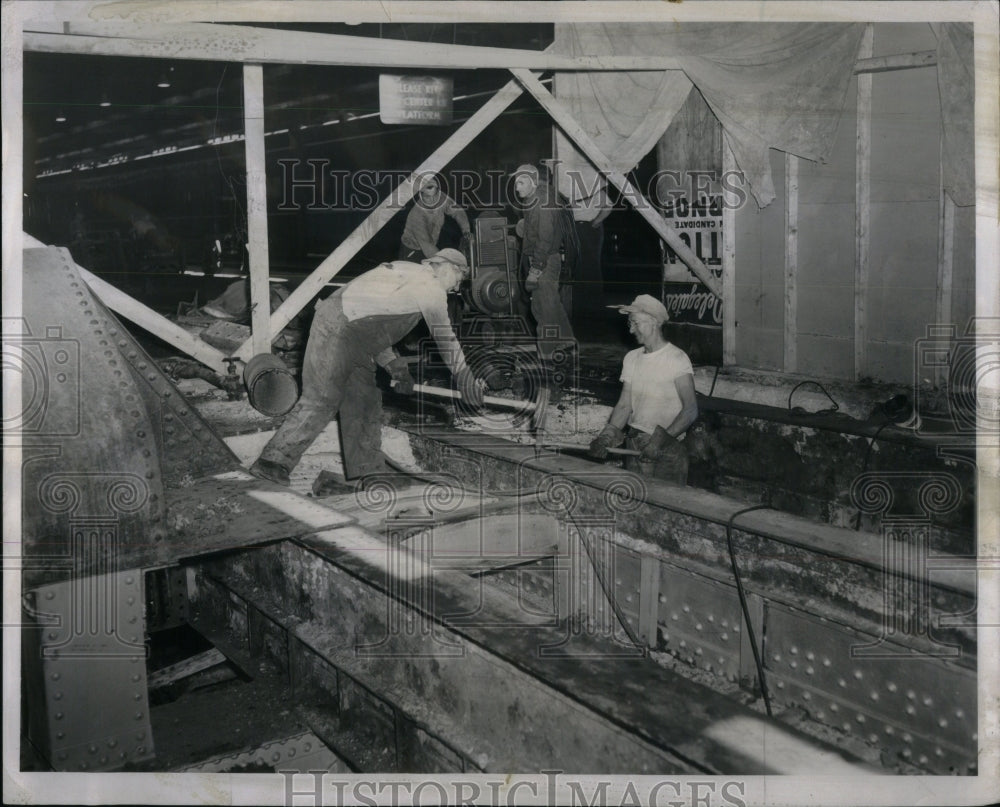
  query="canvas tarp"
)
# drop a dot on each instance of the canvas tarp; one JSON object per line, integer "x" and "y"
{"x": 780, "y": 85}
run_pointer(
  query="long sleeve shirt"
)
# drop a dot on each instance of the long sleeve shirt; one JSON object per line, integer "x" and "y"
{"x": 543, "y": 229}
{"x": 423, "y": 224}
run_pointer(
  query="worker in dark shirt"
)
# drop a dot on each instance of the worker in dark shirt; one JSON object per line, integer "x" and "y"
{"x": 542, "y": 231}
{"x": 353, "y": 330}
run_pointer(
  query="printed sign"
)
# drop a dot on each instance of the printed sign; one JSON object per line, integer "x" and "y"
{"x": 415, "y": 99}
{"x": 699, "y": 225}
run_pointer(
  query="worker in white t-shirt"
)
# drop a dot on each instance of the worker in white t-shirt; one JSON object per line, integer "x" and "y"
{"x": 657, "y": 402}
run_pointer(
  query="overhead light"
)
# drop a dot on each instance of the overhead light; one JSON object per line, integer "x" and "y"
{"x": 164, "y": 81}
{"x": 104, "y": 100}
{"x": 60, "y": 117}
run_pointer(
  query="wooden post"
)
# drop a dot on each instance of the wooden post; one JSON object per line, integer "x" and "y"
{"x": 862, "y": 210}
{"x": 260, "y": 293}
{"x": 728, "y": 264}
{"x": 389, "y": 206}
{"x": 576, "y": 133}
{"x": 946, "y": 250}
{"x": 791, "y": 261}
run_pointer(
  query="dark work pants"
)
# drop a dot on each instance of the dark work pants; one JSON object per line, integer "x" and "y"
{"x": 548, "y": 309}
{"x": 671, "y": 464}
{"x": 338, "y": 377}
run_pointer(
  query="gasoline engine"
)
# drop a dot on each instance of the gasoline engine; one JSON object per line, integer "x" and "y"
{"x": 493, "y": 292}
{"x": 492, "y": 319}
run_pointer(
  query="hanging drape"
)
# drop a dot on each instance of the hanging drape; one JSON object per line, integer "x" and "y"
{"x": 780, "y": 85}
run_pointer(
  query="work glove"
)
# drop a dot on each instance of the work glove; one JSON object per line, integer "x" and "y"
{"x": 399, "y": 370}
{"x": 610, "y": 437}
{"x": 496, "y": 379}
{"x": 531, "y": 281}
{"x": 657, "y": 440}
{"x": 470, "y": 387}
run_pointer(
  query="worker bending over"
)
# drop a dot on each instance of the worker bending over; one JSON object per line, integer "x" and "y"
{"x": 657, "y": 402}
{"x": 353, "y": 330}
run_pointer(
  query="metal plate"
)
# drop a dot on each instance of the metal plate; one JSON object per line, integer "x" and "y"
{"x": 100, "y": 461}
{"x": 921, "y": 709}
{"x": 699, "y": 621}
{"x": 89, "y": 663}
{"x": 302, "y": 753}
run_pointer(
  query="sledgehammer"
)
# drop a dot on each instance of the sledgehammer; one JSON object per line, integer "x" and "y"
{"x": 536, "y": 408}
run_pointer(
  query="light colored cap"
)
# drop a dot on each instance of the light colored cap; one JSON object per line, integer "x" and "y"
{"x": 449, "y": 255}
{"x": 530, "y": 170}
{"x": 645, "y": 304}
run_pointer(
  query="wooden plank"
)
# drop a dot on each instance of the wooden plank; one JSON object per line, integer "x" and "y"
{"x": 791, "y": 261}
{"x": 862, "y": 210}
{"x": 260, "y": 295}
{"x": 575, "y": 132}
{"x": 158, "y": 325}
{"x": 134, "y": 311}
{"x": 389, "y": 206}
{"x": 186, "y": 668}
{"x": 236, "y": 43}
{"x": 897, "y": 61}
{"x": 728, "y": 265}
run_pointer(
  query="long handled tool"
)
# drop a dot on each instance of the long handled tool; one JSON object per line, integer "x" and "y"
{"x": 537, "y": 409}
{"x": 490, "y": 400}
{"x": 624, "y": 452}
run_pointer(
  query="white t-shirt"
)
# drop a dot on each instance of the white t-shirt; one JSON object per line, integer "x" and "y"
{"x": 655, "y": 401}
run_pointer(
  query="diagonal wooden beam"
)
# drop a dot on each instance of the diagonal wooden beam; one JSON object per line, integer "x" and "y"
{"x": 134, "y": 311}
{"x": 158, "y": 325}
{"x": 389, "y": 206}
{"x": 243, "y": 43}
{"x": 144, "y": 316}
{"x": 575, "y": 132}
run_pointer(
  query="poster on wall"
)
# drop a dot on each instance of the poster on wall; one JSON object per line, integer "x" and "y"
{"x": 699, "y": 225}
{"x": 689, "y": 191}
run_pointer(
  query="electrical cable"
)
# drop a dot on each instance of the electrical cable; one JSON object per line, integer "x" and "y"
{"x": 743, "y": 603}
{"x": 716, "y": 378}
{"x": 836, "y": 406}
{"x": 864, "y": 466}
